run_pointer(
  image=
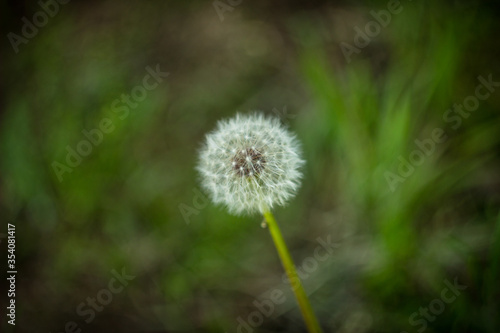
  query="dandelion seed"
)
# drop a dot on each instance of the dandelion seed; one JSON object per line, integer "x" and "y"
{"x": 258, "y": 163}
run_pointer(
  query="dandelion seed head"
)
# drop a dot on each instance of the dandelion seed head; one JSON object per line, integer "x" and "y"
{"x": 250, "y": 163}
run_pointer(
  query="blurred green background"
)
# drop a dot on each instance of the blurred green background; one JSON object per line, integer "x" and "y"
{"x": 131, "y": 205}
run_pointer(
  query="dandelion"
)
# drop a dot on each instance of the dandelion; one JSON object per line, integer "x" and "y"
{"x": 251, "y": 163}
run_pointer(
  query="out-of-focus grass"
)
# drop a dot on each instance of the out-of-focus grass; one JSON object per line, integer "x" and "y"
{"x": 370, "y": 117}
{"x": 120, "y": 206}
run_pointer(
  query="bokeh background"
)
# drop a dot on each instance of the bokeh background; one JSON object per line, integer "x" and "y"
{"x": 132, "y": 204}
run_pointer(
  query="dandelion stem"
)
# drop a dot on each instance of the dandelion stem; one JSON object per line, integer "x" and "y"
{"x": 305, "y": 307}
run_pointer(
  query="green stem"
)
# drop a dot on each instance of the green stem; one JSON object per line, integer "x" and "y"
{"x": 305, "y": 307}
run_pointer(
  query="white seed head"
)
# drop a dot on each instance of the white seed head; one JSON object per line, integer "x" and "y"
{"x": 250, "y": 163}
